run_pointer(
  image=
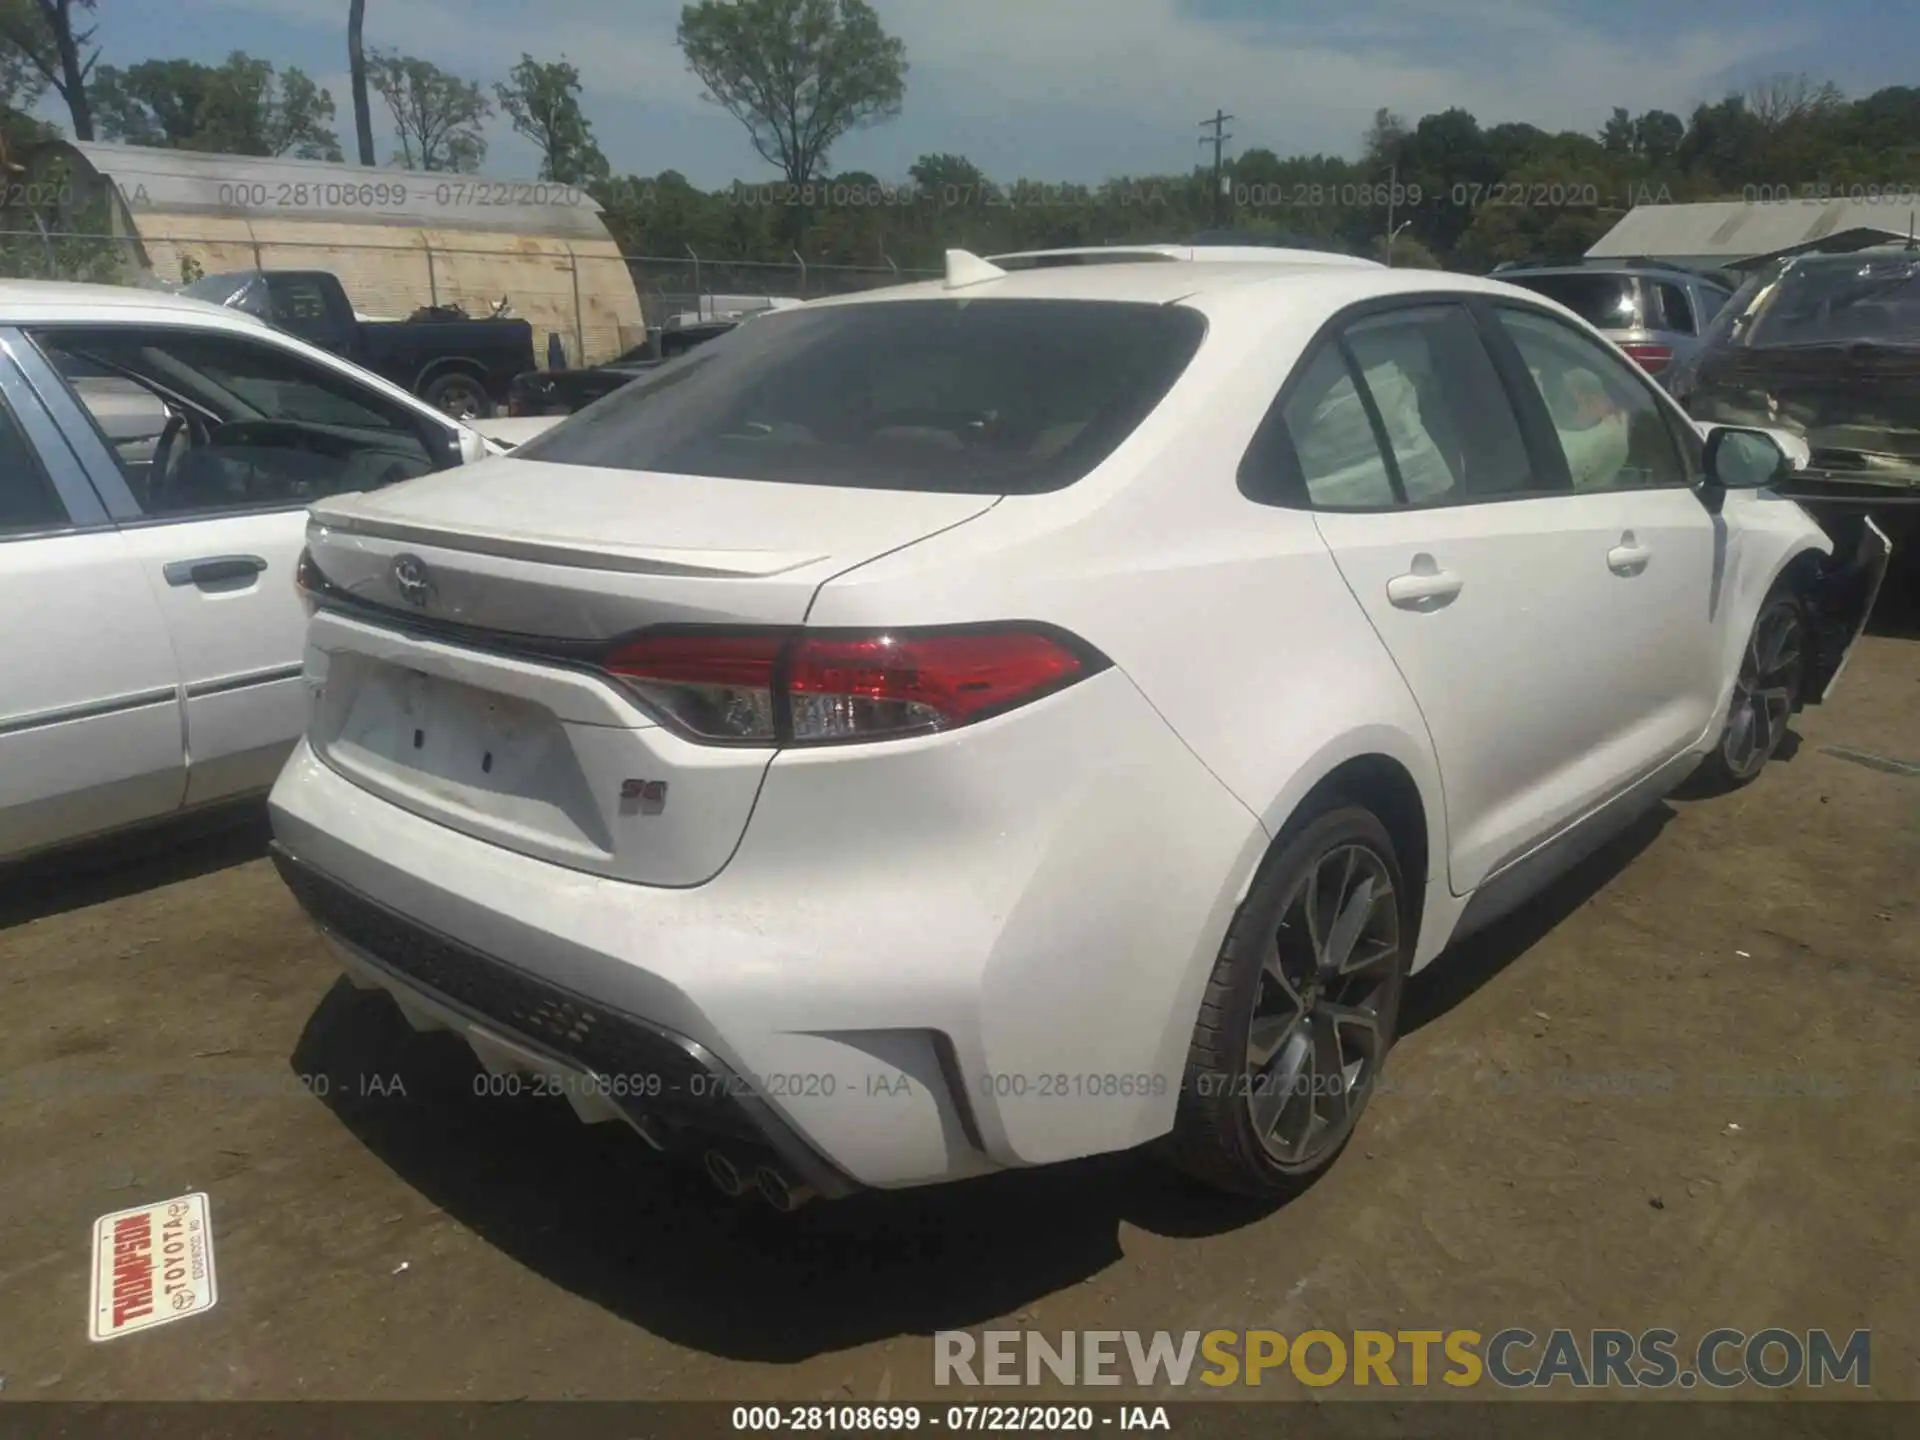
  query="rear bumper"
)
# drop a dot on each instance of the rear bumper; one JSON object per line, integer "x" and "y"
{"x": 612, "y": 1063}
{"x": 970, "y": 952}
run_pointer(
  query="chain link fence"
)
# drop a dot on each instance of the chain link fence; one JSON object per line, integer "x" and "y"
{"x": 598, "y": 301}
{"x": 697, "y": 285}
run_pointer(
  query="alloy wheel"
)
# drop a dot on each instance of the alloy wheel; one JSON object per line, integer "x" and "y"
{"x": 461, "y": 401}
{"x": 1764, "y": 693}
{"x": 1327, "y": 999}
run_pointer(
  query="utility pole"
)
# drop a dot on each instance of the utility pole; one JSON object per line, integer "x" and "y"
{"x": 1219, "y": 138}
{"x": 1393, "y": 231}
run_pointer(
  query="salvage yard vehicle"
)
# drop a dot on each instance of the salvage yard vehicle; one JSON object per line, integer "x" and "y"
{"x": 157, "y": 456}
{"x": 463, "y": 367}
{"x": 1033, "y": 714}
{"x": 1827, "y": 348}
{"x": 1657, "y": 314}
{"x": 561, "y": 392}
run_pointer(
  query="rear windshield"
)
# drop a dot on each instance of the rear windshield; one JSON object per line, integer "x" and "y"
{"x": 997, "y": 397}
{"x": 1606, "y": 302}
{"x": 1826, "y": 300}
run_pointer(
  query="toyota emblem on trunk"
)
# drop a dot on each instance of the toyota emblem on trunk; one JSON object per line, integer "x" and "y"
{"x": 411, "y": 575}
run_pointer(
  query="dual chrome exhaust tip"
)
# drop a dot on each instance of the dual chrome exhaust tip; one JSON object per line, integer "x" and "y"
{"x": 734, "y": 1179}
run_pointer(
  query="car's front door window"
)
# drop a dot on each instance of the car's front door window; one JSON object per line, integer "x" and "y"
{"x": 28, "y": 502}
{"x": 206, "y": 422}
{"x": 1611, "y": 428}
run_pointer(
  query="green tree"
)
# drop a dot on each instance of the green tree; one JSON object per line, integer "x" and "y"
{"x": 357, "y": 79}
{"x": 798, "y": 74}
{"x": 543, "y": 101}
{"x": 241, "y": 107}
{"x": 936, "y": 174}
{"x": 1618, "y": 134}
{"x": 42, "y": 33}
{"x": 436, "y": 115}
{"x": 1657, "y": 136}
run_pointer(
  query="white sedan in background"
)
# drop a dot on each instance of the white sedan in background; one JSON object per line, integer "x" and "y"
{"x": 984, "y": 723}
{"x": 157, "y": 456}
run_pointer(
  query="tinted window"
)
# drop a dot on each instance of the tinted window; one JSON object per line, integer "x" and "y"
{"x": 1612, "y": 430}
{"x": 1606, "y": 302}
{"x": 203, "y": 421}
{"x": 1332, "y": 437}
{"x": 1825, "y": 300}
{"x": 1668, "y": 308}
{"x": 297, "y": 300}
{"x": 27, "y": 498}
{"x": 974, "y": 396}
{"x": 1451, "y": 429}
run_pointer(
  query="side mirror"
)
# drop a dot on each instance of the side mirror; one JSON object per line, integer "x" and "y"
{"x": 1742, "y": 459}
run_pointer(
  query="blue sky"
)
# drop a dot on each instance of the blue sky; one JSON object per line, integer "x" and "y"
{"x": 1084, "y": 89}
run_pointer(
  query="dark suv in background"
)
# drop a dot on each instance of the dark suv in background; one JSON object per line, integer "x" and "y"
{"x": 1826, "y": 347}
{"x": 1657, "y": 314}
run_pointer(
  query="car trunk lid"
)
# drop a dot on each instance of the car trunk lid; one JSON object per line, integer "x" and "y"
{"x": 454, "y": 654}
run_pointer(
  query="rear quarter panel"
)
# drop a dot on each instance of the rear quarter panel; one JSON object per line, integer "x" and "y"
{"x": 1229, "y": 616}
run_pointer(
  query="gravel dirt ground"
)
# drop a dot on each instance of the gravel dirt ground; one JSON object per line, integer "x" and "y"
{"x": 1556, "y": 1145}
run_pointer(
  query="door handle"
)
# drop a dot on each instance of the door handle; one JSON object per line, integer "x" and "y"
{"x": 214, "y": 570}
{"x": 1629, "y": 557}
{"x": 1423, "y": 589}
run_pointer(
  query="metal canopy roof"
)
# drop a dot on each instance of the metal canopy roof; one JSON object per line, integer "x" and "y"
{"x": 247, "y": 187}
{"x": 1739, "y": 230}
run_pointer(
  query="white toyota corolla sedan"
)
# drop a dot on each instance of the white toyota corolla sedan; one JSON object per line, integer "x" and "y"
{"x": 993, "y": 721}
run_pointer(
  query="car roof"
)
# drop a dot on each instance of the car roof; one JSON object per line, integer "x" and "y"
{"x": 1186, "y": 281}
{"x": 1162, "y": 253}
{"x": 28, "y": 301}
{"x": 1669, "y": 272}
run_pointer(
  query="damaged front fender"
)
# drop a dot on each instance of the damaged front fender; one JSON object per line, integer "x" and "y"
{"x": 1840, "y": 599}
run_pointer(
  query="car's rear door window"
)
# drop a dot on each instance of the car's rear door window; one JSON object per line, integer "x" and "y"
{"x": 1400, "y": 407}
{"x": 1453, "y": 434}
{"x": 1604, "y": 301}
{"x": 1337, "y": 448}
{"x": 1668, "y": 308}
{"x": 973, "y": 396}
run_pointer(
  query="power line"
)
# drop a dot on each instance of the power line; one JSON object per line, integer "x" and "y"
{"x": 1219, "y": 138}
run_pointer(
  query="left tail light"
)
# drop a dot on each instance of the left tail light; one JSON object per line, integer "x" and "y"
{"x": 833, "y": 687}
{"x": 1651, "y": 358}
{"x": 308, "y": 580}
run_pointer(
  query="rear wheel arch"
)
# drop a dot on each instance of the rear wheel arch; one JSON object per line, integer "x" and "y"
{"x": 1379, "y": 781}
{"x": 1383, "y": 786}
{"x": 449, "y": 365}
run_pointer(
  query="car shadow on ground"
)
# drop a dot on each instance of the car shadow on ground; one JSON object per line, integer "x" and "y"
{"x": 1470, "y": 964}
{"x": 122, "y": 865}
{"x": 592, "y": 1209}
{"x": 596, "y": 1212}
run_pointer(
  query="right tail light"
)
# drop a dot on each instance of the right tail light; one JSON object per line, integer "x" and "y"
{"x": 787, "y": 687}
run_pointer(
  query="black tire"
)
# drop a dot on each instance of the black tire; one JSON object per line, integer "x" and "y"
{"x": 1216, "y": 1137}
{"x": 459, "y": 395}
{"x": 1766, "y": 695}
